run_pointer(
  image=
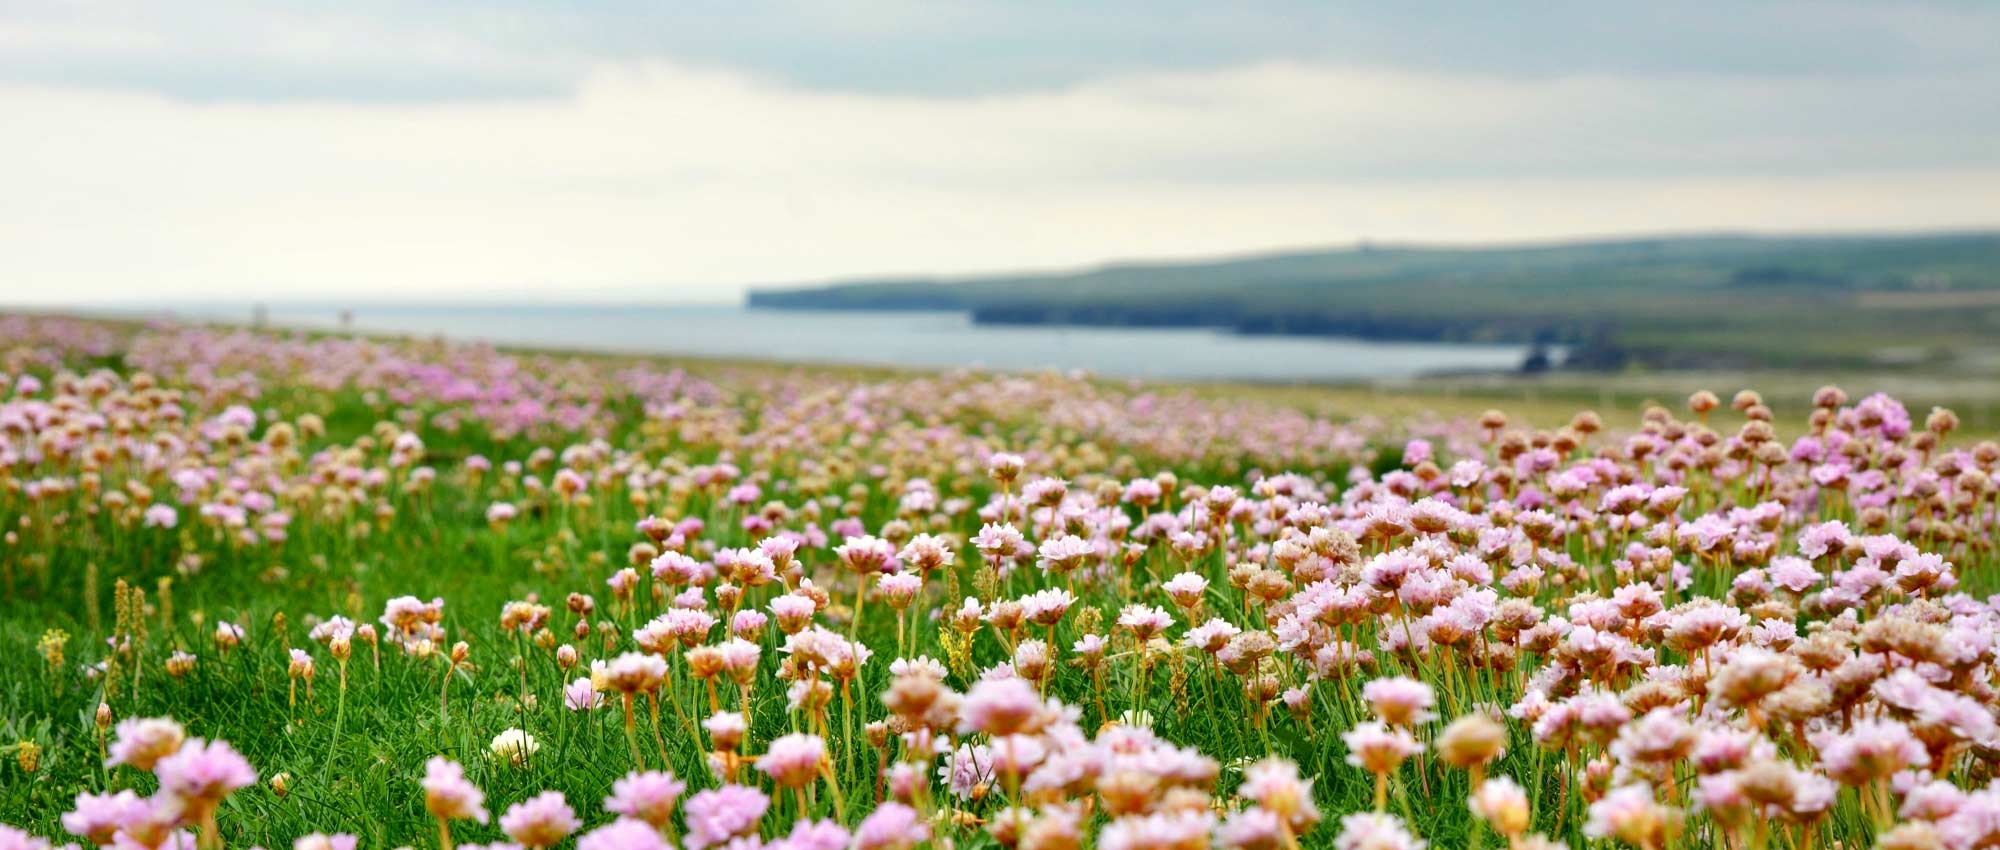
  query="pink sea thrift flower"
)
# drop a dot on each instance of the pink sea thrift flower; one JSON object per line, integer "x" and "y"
{"x": 793, "y": 761}
{"x": 716, "y": 815}
{"x": 1400, "y": 700}
{"x": 540, "y": 821}
{"x": 1000, "y": 707}
{"x": 1372, "y": 831}
{"x": 447, "y": 794}
{"x": 142, "y": 741}
{"x": 892, "y": 826}
{"x": 98, "y": 816}
{"x": 323, "y": 841}
{"x": 623, "y": 834}
{"x": 647, "y": 796}
{"x": 582, "y": 695}
{"x": 204, "y": 772}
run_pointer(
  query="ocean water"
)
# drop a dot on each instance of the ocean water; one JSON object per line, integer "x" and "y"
{"x": 892, "y": 338}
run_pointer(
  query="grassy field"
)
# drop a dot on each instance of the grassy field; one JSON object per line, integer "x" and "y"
{"x": 316, "y": 478}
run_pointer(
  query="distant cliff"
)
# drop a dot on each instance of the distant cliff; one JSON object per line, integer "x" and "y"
{"x": 1687, "y": 300}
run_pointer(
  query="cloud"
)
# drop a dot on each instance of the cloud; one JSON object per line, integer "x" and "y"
{"x": 393, "y": 51}
{"x": 669, "y": 182}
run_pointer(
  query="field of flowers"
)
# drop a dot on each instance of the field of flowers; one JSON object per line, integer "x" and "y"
{"x": 327, "y": 592}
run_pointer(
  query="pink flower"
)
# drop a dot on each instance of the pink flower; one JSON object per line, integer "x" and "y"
{"x": 1251, "y": 829}
{"x": 1377, "y": 748}
{"x": 793, "y": 761}
{"x": 1275, "y": 784}
{"x": 816, "y": 835}
{"x": 143, "y": 741}
{"x": 646, "y": 795}
{"x": 1400, "y": 701}
{"x": 716, "y": 815}
{"x": 204, "y": 772}
{"x": 1371, "y": 831}
{"x": 1502, "y": 803}
{"x": 322, "y": 841}
{"x": 16, "y": 839}
{"x": 1000, "y": 707}
{"x": 1186, "y": 589}
{"x": 1627, "y": 813}
{"x": 540, "y": 821}
{"x": 581, "y": 695}
{"x": 892, "y": 826}
{"x": 97, "y": 816}
{"x": 447, "y": 794}
{"x": 866, "y": 554}
{"x": 1147, "y": 832}
{"x": 1145, "y": 621}
{"x": 1870, "y": 750}
{"x": 1046, "y": 607}
{"x": 901, "y": 589}
{"x": 725, "y": 729}
{"x": 926, "y": 552}
{"x": 1064, "y": 554}
{"x": 966, "y": 768}
{"x": 623, "y": 834}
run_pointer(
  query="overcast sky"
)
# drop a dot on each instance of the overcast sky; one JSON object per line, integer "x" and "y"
{"x": 681, "y": 151}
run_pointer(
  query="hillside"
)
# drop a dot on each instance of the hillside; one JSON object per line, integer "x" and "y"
{"x": 1679, "y": 301}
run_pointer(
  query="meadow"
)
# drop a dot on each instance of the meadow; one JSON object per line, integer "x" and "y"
{"x": 332, "y": 592}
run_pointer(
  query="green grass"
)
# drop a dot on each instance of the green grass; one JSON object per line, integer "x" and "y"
{"x": 360, "y": 773}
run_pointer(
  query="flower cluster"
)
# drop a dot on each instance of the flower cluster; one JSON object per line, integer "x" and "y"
{"x": 756, "y": 609}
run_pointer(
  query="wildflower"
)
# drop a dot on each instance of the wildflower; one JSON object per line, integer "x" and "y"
{"x": 1375, "y": 831}
{"x": 1251, "y": 829}
{"x": 447, "y": 794}
{"x": 201, "y": 773}
{"x": 1171, "y": 829}
{"x": 1869, "y": 750}
{"x": 1275, "y": 784}
{"x": 1379, "y": 749}
{"x": 1503, "y": 805}
{"x": 1004, "y": 467}
{"x": 1186, "y": 589}
{"x": 1472, "y": 741}
{"x": 1400, "y": 700}
{"x": 1064, "y": 554}
{"x": 322, "y": 841}
{"x": 1144, "y": 621}
{"x": 716, "y": 815}
{"x": 647, "y": 796}
{"x": 539, "y": 821}
{"x": 793, "y": 761}
{"x": 143, "y": 742}
{"x": 97, "y": 817}
{"x": 927, "y": 553}
{"x": 623, "y": 834}
{"x": 816, "y": 835}
{"x": 634, "y": 672}
{"x": 968, "y": 771}
{"x": 514, "y": 746}
{"x": 892, "y": 826}
{"x": 901, "y": 589}
{"x": 582, "y": 695}
{"x": 17, "y": 839}
{"x": 1000, "y": 707}
{"x": 1629, "y": 814}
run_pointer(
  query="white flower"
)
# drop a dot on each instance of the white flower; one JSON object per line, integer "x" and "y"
{"x": 514, "y": 745}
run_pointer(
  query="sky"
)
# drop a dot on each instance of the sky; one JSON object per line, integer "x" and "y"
{"x": 680, "y": 152}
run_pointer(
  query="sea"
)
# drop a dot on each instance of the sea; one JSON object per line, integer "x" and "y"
{"x": 915, "y": 339}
